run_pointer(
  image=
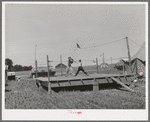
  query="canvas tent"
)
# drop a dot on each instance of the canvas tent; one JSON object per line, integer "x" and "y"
{"x": 138, "y": 60}
{"x": 124, "y": 63}
{"x": 140, "y": 53}
{"x": 138, "y": 66}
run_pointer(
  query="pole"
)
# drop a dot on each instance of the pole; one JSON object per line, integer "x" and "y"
{"x": 97, "y": 64}
{"x": 61, "y": 63}
{"x": 123, "y": 68}
{"x": 111, "y": 59}
{"x": 103, "y": 58}
{"x": 136, "y": 67}
{"x": 36, "y": 73}
{"x": 129, "y": 54}
{"x": 49, "y": 84}
{"x": 35, "y": 52}
{"x": 36, "y": 68}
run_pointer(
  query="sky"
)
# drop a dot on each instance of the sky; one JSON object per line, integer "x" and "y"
{"x": 57, "y": 28}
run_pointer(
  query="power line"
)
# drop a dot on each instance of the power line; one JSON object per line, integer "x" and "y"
{"x": 103, "y": 44}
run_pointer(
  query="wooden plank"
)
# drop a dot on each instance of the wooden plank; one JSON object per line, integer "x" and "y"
{"x": 82, "y": 81}
{"x": 107, "y": 79}
{"x": 119, "y": 78}
{"x": 76, "y": 83}
{"x": 58, "y": 83}
{"x": 65, "y": 79}
{"x": 69, "y": 82}
{"x": 119, "y": 82}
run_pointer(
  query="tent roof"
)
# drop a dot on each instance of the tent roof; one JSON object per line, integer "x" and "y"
{"x": 59, "y": 65}
{"x": 140, "y": 53}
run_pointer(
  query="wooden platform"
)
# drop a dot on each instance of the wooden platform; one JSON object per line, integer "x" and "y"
{"x": 94, "y": 79}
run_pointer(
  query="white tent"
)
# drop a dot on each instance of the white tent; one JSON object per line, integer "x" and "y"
{"x": 138, "y": 60}
{"x": 140, "y": 53}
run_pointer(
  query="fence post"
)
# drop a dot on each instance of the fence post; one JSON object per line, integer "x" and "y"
{"x": 61, "y": 63}
{"x": 49, "y": 84}
{"x": 95, "y": 85}
{"x": 97, "y": 65}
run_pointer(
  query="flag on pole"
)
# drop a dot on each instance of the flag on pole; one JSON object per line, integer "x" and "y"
{"x": 78, "y": 46}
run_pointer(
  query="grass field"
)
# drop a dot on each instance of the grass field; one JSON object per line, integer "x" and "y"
{"x": 25, "y": 95}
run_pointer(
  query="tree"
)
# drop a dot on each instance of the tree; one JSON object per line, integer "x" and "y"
{"x": 9, "y": 63}
{"x": 30, "y": 67}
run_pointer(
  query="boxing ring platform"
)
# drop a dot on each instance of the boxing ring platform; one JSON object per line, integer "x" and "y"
{"x": 94, "y": 79}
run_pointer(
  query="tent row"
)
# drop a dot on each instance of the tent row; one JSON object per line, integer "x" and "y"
{"x": 138, "y": 62}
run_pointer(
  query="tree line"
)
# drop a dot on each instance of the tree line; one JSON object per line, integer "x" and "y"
{"x": 16, "y": 67}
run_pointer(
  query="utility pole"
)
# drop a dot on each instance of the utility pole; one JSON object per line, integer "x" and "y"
{"x": 49, "y": 83}
{"x": 129, "y": 54}
{"x": 97, "y": 64}
{"x": 61, "y": 63}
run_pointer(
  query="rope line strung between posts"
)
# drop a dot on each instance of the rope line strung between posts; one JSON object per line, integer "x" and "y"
{"x": 134, "y": 42}
{"x": 103, "y": 44}
{"x": 86, "y": 60}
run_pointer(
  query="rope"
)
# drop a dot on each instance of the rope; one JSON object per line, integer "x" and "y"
{"x": 103, "y": 44}
{"x": 134, "y": 42}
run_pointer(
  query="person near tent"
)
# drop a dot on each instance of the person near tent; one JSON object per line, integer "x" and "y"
{"x": 80, "y": 68}
{"x": 69, "y": 67}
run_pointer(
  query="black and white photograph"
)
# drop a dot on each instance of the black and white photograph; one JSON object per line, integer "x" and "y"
{"x": 75, "y": 60}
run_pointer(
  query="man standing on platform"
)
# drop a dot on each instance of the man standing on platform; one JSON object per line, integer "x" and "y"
{"x": 70, "y": 61}
{"x": 80, "y": 68}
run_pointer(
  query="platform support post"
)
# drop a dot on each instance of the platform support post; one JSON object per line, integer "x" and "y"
{"x": 95, "y": 85}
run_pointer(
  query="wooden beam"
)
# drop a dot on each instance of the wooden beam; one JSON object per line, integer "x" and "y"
{"x": 119, "y": 78}
{"x": 119, "y": 82}
{"x": 125, "y": 78}
{"x": 69, "y": 82}
{"x": 58, "y": 83}
{"x": 82, "y": 81}
{"x": 107, "y": 79}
